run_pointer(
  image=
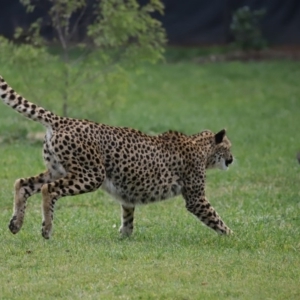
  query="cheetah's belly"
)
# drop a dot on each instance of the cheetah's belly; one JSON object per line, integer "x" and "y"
{"x": 110, "y": 188}
{"x": 144, "y": 196}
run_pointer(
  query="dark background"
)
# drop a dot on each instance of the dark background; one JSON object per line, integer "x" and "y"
{"x": 187, "y": 22}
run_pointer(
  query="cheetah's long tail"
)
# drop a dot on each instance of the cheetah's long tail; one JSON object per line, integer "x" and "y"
{"x": 24, "y": 107}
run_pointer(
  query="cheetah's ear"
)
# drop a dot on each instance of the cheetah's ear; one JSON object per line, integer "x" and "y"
{"x": 219, "y": 136}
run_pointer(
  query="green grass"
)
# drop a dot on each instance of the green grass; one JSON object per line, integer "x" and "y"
{"x": 170, "y": 255}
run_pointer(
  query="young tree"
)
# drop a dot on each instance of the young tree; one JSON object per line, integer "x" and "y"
{"x": 120, "y": 35}
{"x": 246, "y": 29}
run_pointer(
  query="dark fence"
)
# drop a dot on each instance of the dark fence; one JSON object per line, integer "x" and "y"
{"x": 188, "y": 22}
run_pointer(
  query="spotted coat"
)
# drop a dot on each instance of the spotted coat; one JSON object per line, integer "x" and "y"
{"x": 82, "y": 156}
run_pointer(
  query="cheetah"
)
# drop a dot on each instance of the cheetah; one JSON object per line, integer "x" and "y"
{"x": 135, "y": 168}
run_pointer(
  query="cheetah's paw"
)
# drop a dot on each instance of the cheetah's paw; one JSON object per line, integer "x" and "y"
{"x": 15, "y": 225}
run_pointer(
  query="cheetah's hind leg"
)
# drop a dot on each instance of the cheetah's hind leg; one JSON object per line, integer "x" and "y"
{"x": 127, "y": 218}
{"x": 72, "y": 184}
{"x": 24, "y": 188}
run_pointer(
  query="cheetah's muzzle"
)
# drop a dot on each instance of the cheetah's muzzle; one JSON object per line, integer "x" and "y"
{"x": 228, "y": 162}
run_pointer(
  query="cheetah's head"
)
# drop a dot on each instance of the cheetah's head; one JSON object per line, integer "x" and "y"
{"x": 216, "y": 148}
{"x": 220, "y": 155}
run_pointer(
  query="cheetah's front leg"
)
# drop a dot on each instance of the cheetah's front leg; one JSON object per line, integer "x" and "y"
{"x": 127, "y": 220}
{"x": 203, "y": 210}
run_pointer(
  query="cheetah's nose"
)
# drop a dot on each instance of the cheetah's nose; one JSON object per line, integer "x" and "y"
{"x": 228, "y": 162}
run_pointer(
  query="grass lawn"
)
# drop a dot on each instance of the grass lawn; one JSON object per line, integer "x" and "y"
{"x": 170, "y": 255}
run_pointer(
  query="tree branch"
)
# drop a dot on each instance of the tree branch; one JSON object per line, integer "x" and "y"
{"x": 59, "y": 31}
{"x": 77, "y": 22}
